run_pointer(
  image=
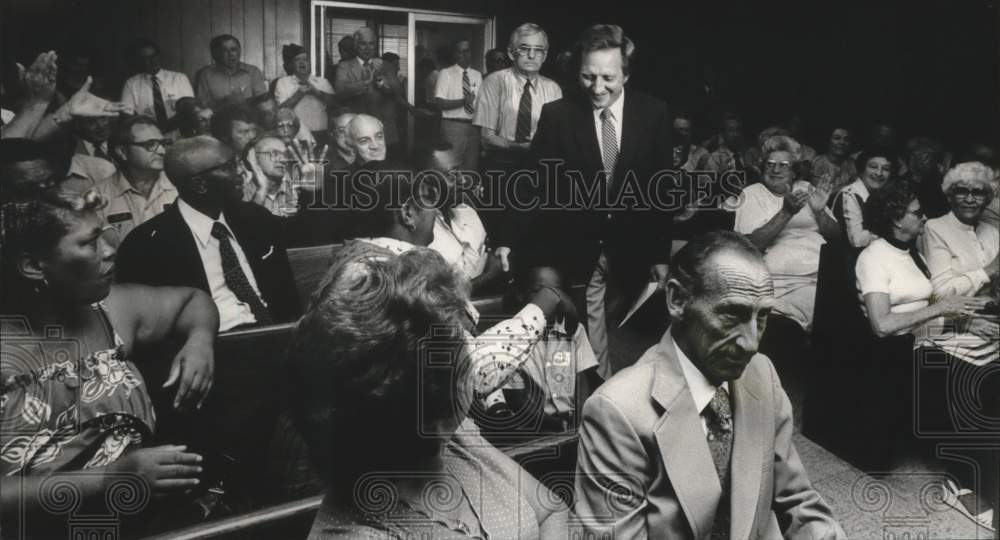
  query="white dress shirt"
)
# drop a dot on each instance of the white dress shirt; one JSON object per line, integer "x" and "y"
{"x": 701, "y": 390}
{"x": 138, "y": 91}
{"x": 449, "y": 86}
{"x": 616, "y": 112}
{"x": 232, "y": 312}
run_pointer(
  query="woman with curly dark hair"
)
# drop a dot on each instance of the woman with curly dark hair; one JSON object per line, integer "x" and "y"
{"x": 945, "y": 376}
{"x": 376, "y": 363}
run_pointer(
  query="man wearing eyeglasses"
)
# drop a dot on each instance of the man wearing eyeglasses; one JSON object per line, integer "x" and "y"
{"x": 508, "y": 105}
{"x": 154, "y": 91}
{"x": 139, "y": 189}
{"x": 214, "y": 241}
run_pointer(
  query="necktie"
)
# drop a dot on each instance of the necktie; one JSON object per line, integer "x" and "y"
{"x": 100, "y": 152}
{"x": 467, "y": 92}
{"x": 523, "y": 133}
{"x": 236, "y": 280}
{"x": 719, "y": 417}
{"x": 609, "y": 143}
{"x": 158, "y": 106}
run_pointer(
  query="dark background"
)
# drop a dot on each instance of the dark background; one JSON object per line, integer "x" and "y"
{"x": 931, "y": 67}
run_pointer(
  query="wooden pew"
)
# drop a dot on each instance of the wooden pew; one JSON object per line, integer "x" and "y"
{"x": 309, "y": 265}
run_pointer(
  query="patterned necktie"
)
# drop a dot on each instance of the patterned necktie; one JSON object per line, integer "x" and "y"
{"x": 523, "y": 133}
{"x": 719, "y": 417}
{"x": 236, "y": 280}
{"x": 467, "y": 92}
{"x": 609, "y": 143}
{"x": 101, "y": 152}
{"x": 158, "y": 106}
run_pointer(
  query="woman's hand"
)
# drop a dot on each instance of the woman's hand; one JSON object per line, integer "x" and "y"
{"x": 987, "y": 328}
{"x": 164, "y": 469}
{"x": 194, "y": 367}
{"x": 794, "y": 201}
{"x": 959, "y": 306}
{"x": 820, "y": 193}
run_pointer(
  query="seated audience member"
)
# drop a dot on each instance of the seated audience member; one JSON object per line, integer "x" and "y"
{"x": 459, "y": 235}
{"x": 80, "y": 68}
{"x": 542, "y": 395}
{"x": 787, "y": 219}
{"x": 875, "y": 167}
{"x": 881, "y": 135}
{"x": 92, "y": 159}
{"x": 657, "y": 456}
{"x": 897, "y": 295}
{"x": 27, "y": 165}
{"x": 236, "y": 126}
{"x": 987, "y": 155}
{"x": 268, "y": 158}
{"x": 765, "y": 134}
{"x": 227, "y": 80}
{"x": 733, "y": 154}
{"x": 836, "y": 163}
{"x": 154, "y": 91}
{"x": 343, "y": 155}
{"x": 924, "y": 171}
{"x": 140, "y": 189}
{"x": 321, "y": 222}
{"x": 367, "y": 139}
{"x": 193, "y": 118}
{"x": 87, "y": 407}
{"x": 308, "y": 95}
{"x": 291, "y": 130}
{"x": 961, "y": 250}
{"x": 359, "y": 367}
{"x": 213, "y": 241}
{"x": 496, "y": 59}
{"x": 687, "y": 155}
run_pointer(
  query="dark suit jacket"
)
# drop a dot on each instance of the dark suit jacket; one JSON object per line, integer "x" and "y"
{"x": 633, "y": 237}
{"x": 162, "y": 251}
{"x": 645, "y": 469}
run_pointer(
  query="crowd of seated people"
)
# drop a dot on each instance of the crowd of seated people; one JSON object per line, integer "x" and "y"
{"x": 165, "y": 220}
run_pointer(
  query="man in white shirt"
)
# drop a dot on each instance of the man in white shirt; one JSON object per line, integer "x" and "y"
{"x": 140, "y": 189}
{"x": 92, "y": 160}
{"x": 455, "y": 94}
{"x": 154, "y": 91}
{"x": 308, "y": 95}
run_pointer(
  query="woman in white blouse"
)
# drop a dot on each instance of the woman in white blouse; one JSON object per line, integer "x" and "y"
{"x": 961, "y": 249}
{"x": 875, "y": 168}
{"x": 788, "y": 220}
{"x": 954, "y": 346}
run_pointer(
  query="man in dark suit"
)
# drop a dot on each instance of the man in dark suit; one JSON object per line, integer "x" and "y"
{"x": 212, "y": 240}
{"x": 615, "y": 144}
{"x": 695, "y": 439}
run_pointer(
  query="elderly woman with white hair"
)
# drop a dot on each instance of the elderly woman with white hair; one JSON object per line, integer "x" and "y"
{"x": 787, "y": 219}
{"x": 961, "y": 250}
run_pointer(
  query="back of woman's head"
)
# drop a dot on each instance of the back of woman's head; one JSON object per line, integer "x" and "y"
{"x": 34, "y": 224}
{"x": 887, "y": 205}
{"x": 373, "y": 365}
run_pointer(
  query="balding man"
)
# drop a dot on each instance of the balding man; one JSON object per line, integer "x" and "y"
{"x": 367, "y": 137}
{"x": 695, "y": 439}
{"x": 358, "y": 83}
{"x": 213, "y": 241}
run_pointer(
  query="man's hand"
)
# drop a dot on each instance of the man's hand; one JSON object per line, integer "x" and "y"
{"x": 87, "y": 105}
{"x": 194, "y": 367}
{"x": 658, "y": 273}
{"x": 164, "y": 469}
{"x": 40, "y": 78}
{"x": 503, "y": 252}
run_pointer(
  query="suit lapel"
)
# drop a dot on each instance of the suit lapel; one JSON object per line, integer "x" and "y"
{"x": 631, "y": 120}
{"x": 586, "y": 135}
{"x": 683, "y": 446}
{"x": 185, "y": 248}
{"x": 750, "y": 421}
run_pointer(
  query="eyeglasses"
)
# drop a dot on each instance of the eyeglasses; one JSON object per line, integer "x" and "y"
{"x": 777, "y": 166}
{"x": 527, "y": 50}
{"x": 285, "y": 125}
{"x": 273, "y": 155}
{"x": 965, "y": 193}
{"x": 231, "y": 166}
{"x": 152, "y": 145}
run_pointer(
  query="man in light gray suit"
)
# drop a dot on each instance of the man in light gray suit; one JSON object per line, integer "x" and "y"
{"x": 695, "y": 439}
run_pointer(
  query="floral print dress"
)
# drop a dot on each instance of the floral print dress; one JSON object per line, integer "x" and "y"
{"x": 60, "y": 411}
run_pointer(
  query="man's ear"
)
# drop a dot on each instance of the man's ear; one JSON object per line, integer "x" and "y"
{"x": 31, "y": 267}
{"x": 677, "y": 298}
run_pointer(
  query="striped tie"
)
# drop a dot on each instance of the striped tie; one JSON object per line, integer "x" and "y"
{"x": 609, "y": 143}
{"x": 159, "y": 107}
{"x": 523, "y": 132}
{"x": 467, "y": 92}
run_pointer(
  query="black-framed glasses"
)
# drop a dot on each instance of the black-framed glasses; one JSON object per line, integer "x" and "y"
{"x": 777, "y": 166}
{"x": 231, "y": 166}
{"x": 152, "y": 145}
{"x": 273, "y": 155}
{"x": 964, "y": 193}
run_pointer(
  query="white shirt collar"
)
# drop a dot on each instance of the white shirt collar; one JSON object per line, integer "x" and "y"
{"x": 858, "y": 187}
{"x": 157, "y": 75}
{"x": 616, "y": 108}
{"x": 950, "y": 216}
{"x": 391, "y": 244}
{"x": 200, "y": 224}
{"x": 701, "y": 390}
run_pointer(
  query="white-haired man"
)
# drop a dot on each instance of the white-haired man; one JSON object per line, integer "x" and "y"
{"x": 358, "y": 83}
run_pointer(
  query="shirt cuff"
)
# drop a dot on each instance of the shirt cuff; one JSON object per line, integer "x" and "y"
{"x": 978, "y": 278}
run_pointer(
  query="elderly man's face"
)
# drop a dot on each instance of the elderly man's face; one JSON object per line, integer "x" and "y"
{"x": 602, "y": 76}
{"x": 721, "y": 329}
{"x": 229, "y": 54}
{"x": 365, "y": 45}
{"x": 682, "y": 127}
{"x": 241, "y": 133}
{"x": 367, "y": 139}
{"x": 271, "y": 156}
{"x": 463, "y": 54}
{"x": 218, "y": 180}
{"x": 147, "y": 149}
{"x": 341, "y": 138}
{"x": 94, "y": 130}
{"x": 528, "y": 53}
{"x": 968, "y": 200}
